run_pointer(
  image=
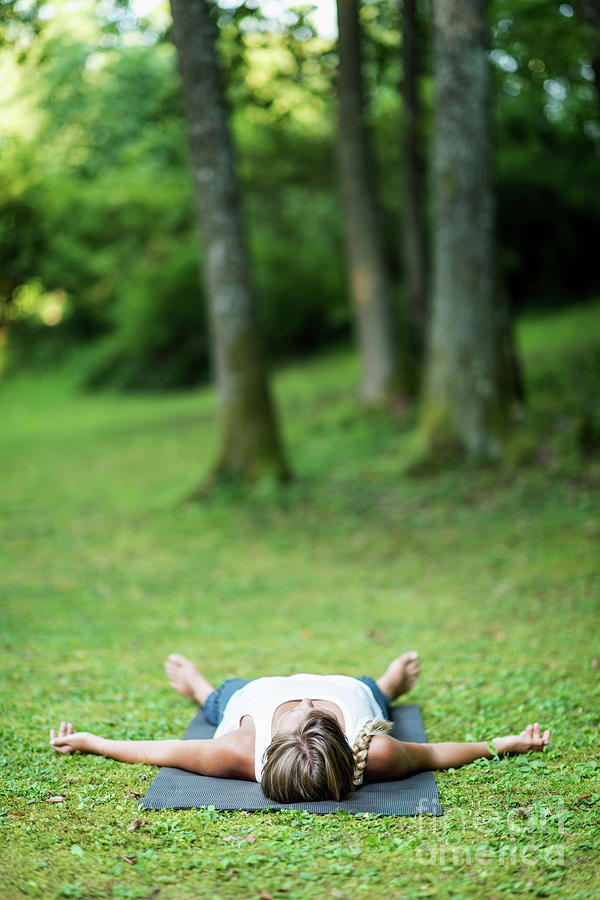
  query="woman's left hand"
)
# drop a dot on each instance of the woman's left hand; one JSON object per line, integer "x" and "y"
{"x": 67, "y": 740}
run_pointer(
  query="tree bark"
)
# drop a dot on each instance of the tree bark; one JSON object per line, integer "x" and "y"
{"x": 465, "y": 404}
{"x": 250, "y": 442}
{"x": 413, "y": 231}
{"x": 370, "y": 285}
{"x": 590, "y": 10}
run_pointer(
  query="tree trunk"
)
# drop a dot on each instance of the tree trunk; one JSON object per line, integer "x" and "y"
{"x": 590, "y": 10}
{"x": 413, "y": 231}
{"x": 250, "y": 442}
{"x": 370, "y": 285}
{"x": 465, "y": 404}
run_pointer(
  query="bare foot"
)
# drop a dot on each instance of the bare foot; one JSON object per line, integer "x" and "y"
{"x": 186, "y": 679}
{"x": 400, "y": 675}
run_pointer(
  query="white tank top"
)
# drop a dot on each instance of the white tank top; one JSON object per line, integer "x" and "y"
{"x": 261, "y": 698}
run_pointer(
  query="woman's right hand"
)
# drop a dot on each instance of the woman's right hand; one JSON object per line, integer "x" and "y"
{"x": 530, "y": 739}
{"x": 67, "y": 740}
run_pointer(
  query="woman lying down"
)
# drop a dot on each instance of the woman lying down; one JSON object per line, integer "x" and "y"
{"x": 302, "y": 737}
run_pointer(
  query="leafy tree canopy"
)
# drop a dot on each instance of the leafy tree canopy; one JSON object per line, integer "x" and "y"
{"x": 96, "y": 223}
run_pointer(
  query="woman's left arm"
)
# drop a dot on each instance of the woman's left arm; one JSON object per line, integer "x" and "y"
{"x": 223, "y": 757}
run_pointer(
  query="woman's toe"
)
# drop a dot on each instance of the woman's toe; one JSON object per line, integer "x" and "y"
{"x": 177, "y": 658}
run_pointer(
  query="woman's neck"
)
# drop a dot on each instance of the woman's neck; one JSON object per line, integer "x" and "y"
{"x": 325, "y": 706}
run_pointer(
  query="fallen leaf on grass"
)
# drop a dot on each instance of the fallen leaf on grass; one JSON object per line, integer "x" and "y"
{"x": 250, "y": 838}
{"x": 232, "y": 837}
{"x": 524, "y": 810}
{"x": 595, "y": 663}
{"x": 137, "y": 823}
{"x": 20, "y": 815}
{"x": 133, "y": 795}
{"x": 128, "y": 859}
{"x": 376, "y": 636}
{"x": 230, "y": 873}
{"x": 57, "y": 799}
{"x": 265, "y": 895}
{"x": 583, "y": 797}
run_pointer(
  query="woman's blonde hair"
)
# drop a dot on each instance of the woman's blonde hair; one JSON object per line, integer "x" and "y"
{"x": 360, "y": 751}
{"x": 315, "y": 761}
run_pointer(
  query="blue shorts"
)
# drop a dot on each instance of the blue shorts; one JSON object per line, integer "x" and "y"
{"x": 218, "y": 700}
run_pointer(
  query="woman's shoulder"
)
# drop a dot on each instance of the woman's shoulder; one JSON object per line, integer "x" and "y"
{"x": 379, "y": 757}
{"x": 234, "y": 752}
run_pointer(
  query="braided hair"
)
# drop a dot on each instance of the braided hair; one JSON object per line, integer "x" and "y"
{"x": 360, "y": 749}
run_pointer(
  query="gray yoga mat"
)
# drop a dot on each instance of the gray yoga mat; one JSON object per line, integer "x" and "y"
{"x": 177, "y": 789}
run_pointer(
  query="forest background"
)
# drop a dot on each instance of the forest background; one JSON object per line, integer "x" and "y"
{"x": 97, "y": 230}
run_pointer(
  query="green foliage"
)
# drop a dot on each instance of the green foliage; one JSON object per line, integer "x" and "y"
{"x": 548, "y": 138}
{"x": 491, "y": 574}
{"x": 96, "y": 193}
{"x": 108, "y": 200}
{"x": 108, "y": 190}
{"x": 159, "y": 337}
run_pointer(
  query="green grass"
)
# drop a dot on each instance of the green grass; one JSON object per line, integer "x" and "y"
{"x": 490, "y": 573}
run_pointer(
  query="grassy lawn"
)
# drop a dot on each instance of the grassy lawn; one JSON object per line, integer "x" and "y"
{"x": 491, "y": 573}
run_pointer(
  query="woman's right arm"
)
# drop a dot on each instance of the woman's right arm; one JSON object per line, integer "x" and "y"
{"x": 225, "y": 757}
{"x": 390, "y": 759}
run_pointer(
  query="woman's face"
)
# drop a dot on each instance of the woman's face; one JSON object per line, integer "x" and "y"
{"x": 291, "y": 719}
